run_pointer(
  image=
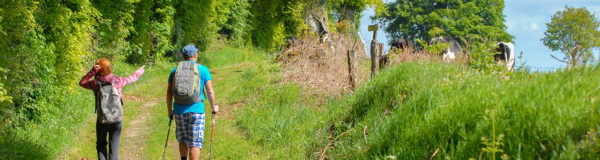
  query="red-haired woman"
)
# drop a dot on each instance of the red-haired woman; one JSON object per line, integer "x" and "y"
{"x": 102, "y": 72}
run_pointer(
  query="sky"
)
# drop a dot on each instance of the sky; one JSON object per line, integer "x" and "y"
{"x": 526, "y": 20}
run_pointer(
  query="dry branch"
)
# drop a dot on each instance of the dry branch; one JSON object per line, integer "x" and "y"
{"x": 330, "y": 144}
{"x": 563, "y": 61}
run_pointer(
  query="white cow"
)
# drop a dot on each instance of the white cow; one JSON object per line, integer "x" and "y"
{"x": 506, "y": 55}
{"x": 454, "y": 49}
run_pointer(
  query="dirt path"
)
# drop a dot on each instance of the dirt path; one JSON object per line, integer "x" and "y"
{"x": 145, "y": 127}
{"x": 134, "y": 135}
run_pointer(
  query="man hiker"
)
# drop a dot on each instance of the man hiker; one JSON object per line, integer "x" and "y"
{"x": 107, "y": 91}
{"x": 186, "y": 85}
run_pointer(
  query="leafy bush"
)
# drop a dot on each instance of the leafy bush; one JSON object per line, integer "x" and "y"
{"x": 114, "y": 26}
{"x": 274, "y": 21}
{"x": 481, "y": 56}
{"x": 151, "y": 36}
{"x": 194, "y": 23}
{"x": 434, "y": 49}
{"x": 233, "y": 21}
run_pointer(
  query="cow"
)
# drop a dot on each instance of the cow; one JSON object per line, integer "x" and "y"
{"x": 396, "y": 45}
{"x": 506, "y": 55}
{"x": 454, "y": 49}
{"x": 401, "y": 44}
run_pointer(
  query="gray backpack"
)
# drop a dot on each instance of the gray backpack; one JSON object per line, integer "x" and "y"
{"x": 108, "y": 104}
{"x": 186, "y": 83}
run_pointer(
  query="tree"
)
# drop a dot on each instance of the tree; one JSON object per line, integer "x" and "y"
{"x": 194, "y": 23}
{"x": 574, "y": 32}
{"x": 274, "y": 21}
{"x": 233, "y": 21}
{"x": 151, "y": 34}
{"x": 474, "y": 21}
{"x": 114, "y": 28}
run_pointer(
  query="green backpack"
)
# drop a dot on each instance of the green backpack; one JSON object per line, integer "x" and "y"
{"x": 108, "y": 104}
{"x": 186, "y": 83}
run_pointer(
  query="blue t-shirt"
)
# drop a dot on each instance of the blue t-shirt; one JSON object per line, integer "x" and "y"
{"x": 196, "y": 107}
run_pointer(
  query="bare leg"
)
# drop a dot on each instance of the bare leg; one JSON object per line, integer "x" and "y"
{"x": 194, "y": 153}
{"x": 183, "y": 149}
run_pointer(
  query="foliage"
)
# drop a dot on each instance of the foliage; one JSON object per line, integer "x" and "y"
{"x": 151, "y": 36}
{"x": 68, "y": 27}
{"x": 234, "y": 21}
{"x": 481, "y": 55}
{"x": 4, "y": 97}
{"x": 433, "y": 49}
{"x": 194, "y": 23}
{"x": 469, "y": 21}
{"x": 273, "y": 21}
{"x": 30, "y": 81}
{"x": 350, "y": 9}
{"x": 114, "y": 26}
{"x": 570, "y": 28}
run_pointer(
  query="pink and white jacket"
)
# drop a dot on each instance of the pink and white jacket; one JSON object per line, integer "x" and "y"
{"x": 118, "y": 82}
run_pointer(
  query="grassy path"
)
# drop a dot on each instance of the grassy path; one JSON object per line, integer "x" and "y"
{"x": 145, "y": 126}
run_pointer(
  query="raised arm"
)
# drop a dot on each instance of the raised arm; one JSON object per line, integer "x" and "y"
{"x": 85, "y": 81}
{"x": 124, "y": 81}
{"x": 211, "y": 96}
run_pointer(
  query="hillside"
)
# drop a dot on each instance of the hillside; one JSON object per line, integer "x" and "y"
{"x": 420, "y": 110}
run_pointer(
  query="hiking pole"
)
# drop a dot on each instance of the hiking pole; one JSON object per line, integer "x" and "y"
{"x": 212, "y": 133}
{"x": 167, "y": 141}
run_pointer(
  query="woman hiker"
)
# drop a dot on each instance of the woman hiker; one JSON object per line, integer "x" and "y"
{"x": 107, "y": 91}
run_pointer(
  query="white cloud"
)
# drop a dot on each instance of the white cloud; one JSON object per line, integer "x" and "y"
{"x": 534, "y": 26}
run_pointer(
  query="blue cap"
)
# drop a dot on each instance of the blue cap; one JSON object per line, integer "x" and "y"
{"x": 189, "y": 50}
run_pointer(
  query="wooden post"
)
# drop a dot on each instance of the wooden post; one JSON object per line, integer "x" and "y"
{"x": 374, "y": 59}
{"x": 374, "y": 62}
{"x": 380, "y": 55}
{"x": 352, "y": 66}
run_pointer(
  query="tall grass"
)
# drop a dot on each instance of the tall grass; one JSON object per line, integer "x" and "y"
{"x": 276, "y": 118}
{"x": 429, "y": 110}
{"x": 45, "y": 139}
{"x": 412, "y": 110}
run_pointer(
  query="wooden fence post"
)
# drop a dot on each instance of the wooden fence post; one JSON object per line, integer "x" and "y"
{"x": 374, "y": 59}
{"x": 380, "y": 55}
{"x": 352, "y": 66}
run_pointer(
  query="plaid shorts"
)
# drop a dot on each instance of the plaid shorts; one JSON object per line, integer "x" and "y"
{"x": 189, "y": 128}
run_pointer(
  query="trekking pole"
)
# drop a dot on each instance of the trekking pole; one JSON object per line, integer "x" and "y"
{"x": 167, "y": 141}
{"x": 212, "y": 133}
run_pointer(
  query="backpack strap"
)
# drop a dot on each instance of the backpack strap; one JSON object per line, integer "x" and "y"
{"x": 96, "y": 94}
